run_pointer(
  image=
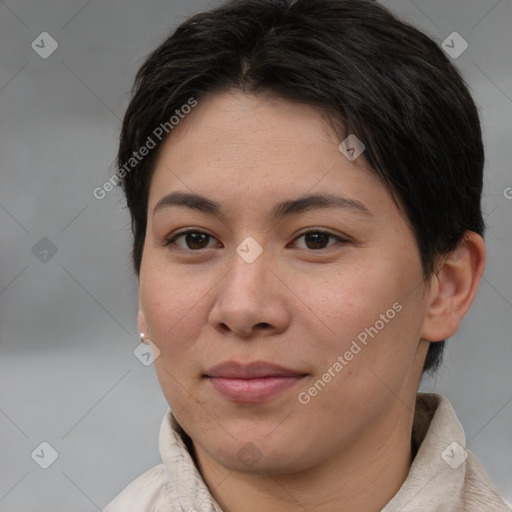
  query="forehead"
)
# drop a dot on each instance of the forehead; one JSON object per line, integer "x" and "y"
{"x": 240, "y": 124}
{"x": 254, "y": 149}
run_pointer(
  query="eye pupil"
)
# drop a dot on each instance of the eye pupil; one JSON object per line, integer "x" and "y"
{"x": 192, "y": 240}
{"x": 316, "y": 239}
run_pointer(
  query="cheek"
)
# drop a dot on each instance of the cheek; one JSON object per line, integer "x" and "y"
{"x": 344, "y": 303}
{"x": 174, "y": 306}
{"x": 372, "y": 314}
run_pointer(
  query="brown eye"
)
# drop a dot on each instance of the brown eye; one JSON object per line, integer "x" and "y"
{"x": 194, "y": 240}
{"x": 318, "y": 240}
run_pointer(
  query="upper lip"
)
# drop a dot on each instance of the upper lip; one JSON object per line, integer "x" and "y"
{"x": 253, "y": 370}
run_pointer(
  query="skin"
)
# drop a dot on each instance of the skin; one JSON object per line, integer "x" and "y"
{"x": 295, "y": 305}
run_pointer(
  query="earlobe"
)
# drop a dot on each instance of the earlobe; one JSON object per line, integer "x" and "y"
{"x": 143, "y": 327}
{"x": 453, "y": 288}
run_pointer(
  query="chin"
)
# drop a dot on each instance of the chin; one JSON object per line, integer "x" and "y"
{"x": 260, "y": 455}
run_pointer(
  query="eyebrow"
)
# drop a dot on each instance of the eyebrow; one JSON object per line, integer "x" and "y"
{"x": 286, "y": 208}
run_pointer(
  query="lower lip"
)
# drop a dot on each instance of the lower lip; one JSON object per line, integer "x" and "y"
{"x": 252, "y": 390}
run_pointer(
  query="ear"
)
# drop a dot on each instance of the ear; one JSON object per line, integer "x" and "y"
{"x": 143, "y": 327}
{"x": 453, "y": 288}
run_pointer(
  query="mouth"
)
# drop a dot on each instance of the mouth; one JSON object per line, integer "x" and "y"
{"x": 252, "y": 383}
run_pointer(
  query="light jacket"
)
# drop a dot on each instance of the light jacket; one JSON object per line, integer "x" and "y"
{"x": 444, "y": 476}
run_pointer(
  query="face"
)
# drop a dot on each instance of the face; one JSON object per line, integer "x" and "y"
{"x": 316, "y": 306}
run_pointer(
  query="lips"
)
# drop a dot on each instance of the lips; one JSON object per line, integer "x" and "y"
{"x": 233, "y": 370}
{"x": 253, "y": 382}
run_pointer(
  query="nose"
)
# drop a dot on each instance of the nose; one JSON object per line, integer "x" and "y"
{"x": 250, "y": 300}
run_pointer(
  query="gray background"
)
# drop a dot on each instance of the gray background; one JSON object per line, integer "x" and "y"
{"x": 68, "y": 325}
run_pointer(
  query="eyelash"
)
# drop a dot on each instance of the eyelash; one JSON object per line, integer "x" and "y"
{"x": 171, "y": 240}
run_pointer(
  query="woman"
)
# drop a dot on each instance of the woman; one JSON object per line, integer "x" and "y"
{"x": 304, "y": 180}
